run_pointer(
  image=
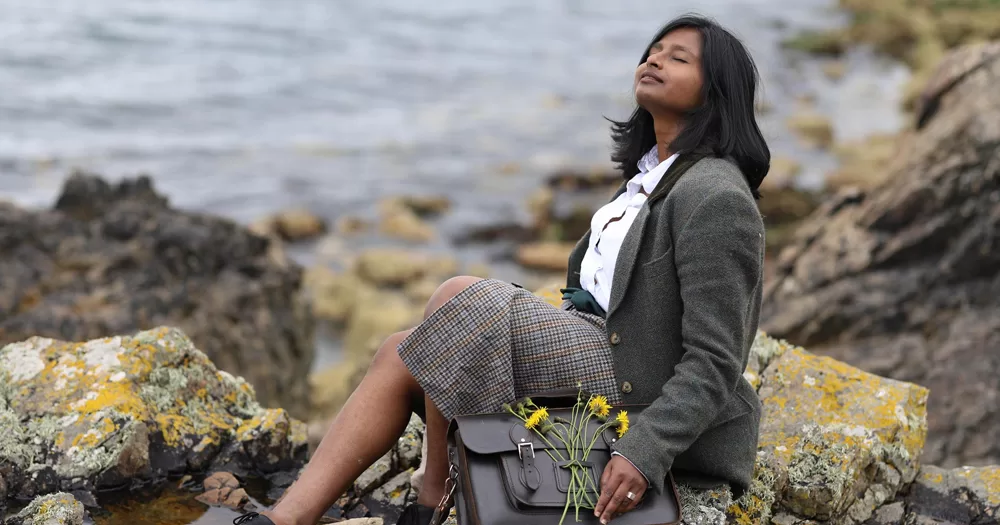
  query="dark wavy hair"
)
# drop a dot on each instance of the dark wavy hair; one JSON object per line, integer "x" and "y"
{"x": 723, "y": 126}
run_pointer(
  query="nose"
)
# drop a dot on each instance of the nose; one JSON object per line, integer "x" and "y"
{"x": 654, "y": 60}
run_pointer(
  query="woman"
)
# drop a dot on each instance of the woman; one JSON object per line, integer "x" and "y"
{"x": 664, "y": 295}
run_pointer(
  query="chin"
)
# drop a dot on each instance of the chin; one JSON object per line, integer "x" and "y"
{"x": 648, "y": 101}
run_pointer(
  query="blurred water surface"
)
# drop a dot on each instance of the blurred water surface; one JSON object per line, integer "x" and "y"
{"x": 243, "y": 107}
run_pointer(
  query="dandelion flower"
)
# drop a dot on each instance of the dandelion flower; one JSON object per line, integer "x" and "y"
{"x": 599, "y": 406}
{"x": 536, "y": 417}
{"x": 622, "y": 420}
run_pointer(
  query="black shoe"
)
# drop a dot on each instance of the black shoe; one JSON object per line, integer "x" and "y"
{"x": 254, "y": 518}
{"x": 416, "y": 514}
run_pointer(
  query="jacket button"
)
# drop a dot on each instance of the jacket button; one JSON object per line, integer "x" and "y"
{"x": 627, "y": 387}
{"x": 615, "y": 338}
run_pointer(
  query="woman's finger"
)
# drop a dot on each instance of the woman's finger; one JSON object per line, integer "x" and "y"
{"x": 618, "y": 499}
{"x": 638, "y": 490}
{"x": 607, "y": 490}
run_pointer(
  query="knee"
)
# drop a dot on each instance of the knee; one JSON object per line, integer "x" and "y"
{"x": 387, "y": 353}
{"x": 447, "y": 290}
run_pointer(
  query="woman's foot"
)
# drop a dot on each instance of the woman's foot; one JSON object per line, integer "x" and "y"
{"x": 416, "y": 514}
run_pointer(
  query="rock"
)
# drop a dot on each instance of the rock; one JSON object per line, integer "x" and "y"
{"x": 375, "y": 475}
{"x": 599, "y": 178}
{"x": 373, "y": 321}
{"x": 122, "y": 410}
{"x": 426, "y": 205}
{"x": 834, "y": 69}
{"x": 478, "y": 270}
{"x": 782, "y": 174}
{"x": 362, "y": 521}
{"x": 349, "y": 225}
{"x": 550, "y": 256}
{"x": 409, "y": 445}
{"x": 420, "y": 292}
{"x": 814, "y": 130}
{"x": 291, "y": 225}
{"x": 864, "y": 163}
{"x": 335, "y": 296}
{"x": 390, "y": 267}
{"x": 388, "y": 500}
{"x": 904, "y": 280}
{"x": 891, "y": 514}
{"x": 52, "y": 509}
{"x": 962, "y": 496}
{"x": 400, "y": 222}
{"x": 550, "y": 293}
{"x": 3, "y": 498}
{"x": 222, "y": 489}
{"x": 331, "y": 388}
{"x": 115, "y": 258}
{"x": 835, "y": 442}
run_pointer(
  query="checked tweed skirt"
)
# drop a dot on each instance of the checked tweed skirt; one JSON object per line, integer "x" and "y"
{"x": 495, "y": 342}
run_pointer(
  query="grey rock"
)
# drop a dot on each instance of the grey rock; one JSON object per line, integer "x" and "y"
{"x": 963, "y": 496}
{"x": 408, "y": 448}
{"x": 388, "y": 500}
{"x": 120, "y": 411}
{"x": 114, "y": 259}
{"x": 363, "y": 521}
{"x": 52, "y": 509}
{"x": 375, "y": 475}
{"x": 904, "y": 281}
{"x": 891, "y": 514}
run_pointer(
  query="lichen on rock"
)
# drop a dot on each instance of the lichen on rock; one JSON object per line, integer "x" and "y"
{"x": 840, "y": 441}
{"x": 52, "y": 509}
{"x": 120, "y": 410}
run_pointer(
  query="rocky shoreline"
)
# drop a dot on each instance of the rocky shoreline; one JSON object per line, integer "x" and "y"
{"x": 838, "y": 445}
{"x": 144, "y": 347}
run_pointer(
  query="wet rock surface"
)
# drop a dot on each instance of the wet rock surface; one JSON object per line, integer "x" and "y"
{"x": 120, "y": 412}
{"x": 903, "y": 280}
{"x": 116, "y": 258}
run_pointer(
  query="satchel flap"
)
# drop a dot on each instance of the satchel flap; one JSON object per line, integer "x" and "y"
{"x": 504, "y": 432}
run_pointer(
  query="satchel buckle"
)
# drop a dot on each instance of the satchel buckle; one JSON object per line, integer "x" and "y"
{"x": 531, "y": 447}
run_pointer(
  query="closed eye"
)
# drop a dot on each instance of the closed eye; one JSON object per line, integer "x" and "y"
{"x": 679, "y": 59}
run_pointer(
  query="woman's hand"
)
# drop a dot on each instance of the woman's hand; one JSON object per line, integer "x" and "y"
{"x": 619, "y": 478}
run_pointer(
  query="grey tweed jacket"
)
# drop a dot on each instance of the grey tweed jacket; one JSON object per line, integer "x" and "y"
{"x": 685, "y": 300}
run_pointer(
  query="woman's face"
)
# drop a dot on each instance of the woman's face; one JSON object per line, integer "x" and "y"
{"x": 670, "y": 80}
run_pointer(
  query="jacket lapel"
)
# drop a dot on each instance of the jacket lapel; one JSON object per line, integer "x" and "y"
{"x": 633, "y": 239}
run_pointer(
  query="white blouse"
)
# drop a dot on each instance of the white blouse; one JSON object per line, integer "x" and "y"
{"x": 611, "y": 223}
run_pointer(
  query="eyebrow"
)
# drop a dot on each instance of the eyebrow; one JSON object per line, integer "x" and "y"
{"x": 658, "y": 46}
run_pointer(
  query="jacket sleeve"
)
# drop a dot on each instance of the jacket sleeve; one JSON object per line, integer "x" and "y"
{"x": 718, "y": 256}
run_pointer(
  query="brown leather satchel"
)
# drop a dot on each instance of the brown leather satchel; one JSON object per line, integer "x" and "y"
{"x": 504, "y": 474}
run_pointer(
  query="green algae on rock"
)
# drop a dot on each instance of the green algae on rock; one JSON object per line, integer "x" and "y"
{"x": 52, "y": 509}
{"x": 121, "y": 411}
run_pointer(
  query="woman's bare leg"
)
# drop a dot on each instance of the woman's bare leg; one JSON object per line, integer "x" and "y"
{"x": 356, "y": 439}
{"x": 436, "y": 433}
{"x": 368, "y": 425}
{"x": 436, "y": 460}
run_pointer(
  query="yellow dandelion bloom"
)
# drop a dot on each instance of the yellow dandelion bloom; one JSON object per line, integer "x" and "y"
{"x": 536, "y": 418}
{"x": 622, "y": 420}
{"x": 599, "y": 406}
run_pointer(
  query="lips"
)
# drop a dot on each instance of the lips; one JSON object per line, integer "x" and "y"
{"x": 651, "y": 75}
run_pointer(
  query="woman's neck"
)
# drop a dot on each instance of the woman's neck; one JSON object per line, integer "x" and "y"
{"x": 666, "y": 131}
